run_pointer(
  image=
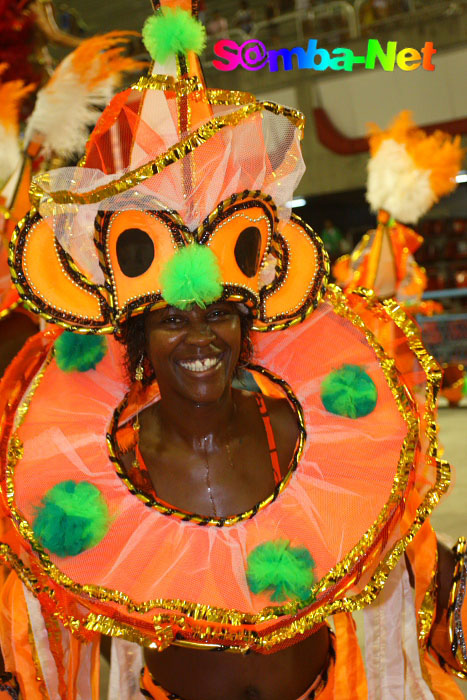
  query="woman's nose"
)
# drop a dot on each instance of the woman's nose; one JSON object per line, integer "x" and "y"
{"x": 199, "y": 334}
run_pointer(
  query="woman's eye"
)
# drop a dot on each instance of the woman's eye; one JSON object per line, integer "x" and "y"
{"x": 217, "y": 313}
{"x": 172, "y": 320}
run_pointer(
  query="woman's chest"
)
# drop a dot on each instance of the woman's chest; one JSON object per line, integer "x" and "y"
{"x": 214, "y": 480}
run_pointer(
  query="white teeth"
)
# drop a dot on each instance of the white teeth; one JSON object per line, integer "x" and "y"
{"x": 200, "y": 365}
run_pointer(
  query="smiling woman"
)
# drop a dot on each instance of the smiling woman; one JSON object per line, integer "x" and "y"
{"x": 207, "y": 448}
{"x": 172, "y": 509}
{"x": 135, "y": 333}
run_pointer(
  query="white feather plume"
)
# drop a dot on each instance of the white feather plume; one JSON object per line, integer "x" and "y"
{"x": 62, "y": 117}
{"x": 397, "y": 185}
{"x": 79, "y": 89}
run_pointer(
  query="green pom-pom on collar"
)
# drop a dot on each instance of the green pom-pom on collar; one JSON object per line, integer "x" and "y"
{"x": 349, "y": 391}
{"x": 288, "y": 572}
{"x": 73, "y": 517}
{"x": 80, "y": 353}
{"x": 172, "y": 31}
{"x": 192, "y": 276}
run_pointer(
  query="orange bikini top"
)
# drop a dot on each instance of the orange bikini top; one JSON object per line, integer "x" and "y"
{"x": 139, "y": 475}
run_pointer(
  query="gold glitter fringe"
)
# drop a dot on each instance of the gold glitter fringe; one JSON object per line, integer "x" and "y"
{"x": 186, "y": 86}
{"x": 180, "y": 86}
{"x": 112, "y": 628}
{"x": 37, "y": 664}
{"x": 46, "y": 200}
{"x": 320, "y": 613}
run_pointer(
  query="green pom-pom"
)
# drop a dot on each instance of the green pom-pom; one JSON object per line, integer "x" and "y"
{"x": 172, "y": 31}
{"x": 76, "y": 352}
{"x": 349, "y": 391}
{"x": 191, "y": 276}
{"x": 73, "y": 517}
{"x": 284, "y": 570}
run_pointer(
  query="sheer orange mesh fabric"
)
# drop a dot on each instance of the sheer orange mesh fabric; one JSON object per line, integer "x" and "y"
{"x": 345, "y": 475}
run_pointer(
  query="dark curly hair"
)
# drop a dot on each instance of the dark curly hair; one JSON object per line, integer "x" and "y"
{"x": 133, "y": 337}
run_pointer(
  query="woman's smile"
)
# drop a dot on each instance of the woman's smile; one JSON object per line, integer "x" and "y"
{"x": 202, "y": 365}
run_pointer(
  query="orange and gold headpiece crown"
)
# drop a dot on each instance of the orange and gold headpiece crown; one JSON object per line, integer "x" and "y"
{"x": 178, "y": 181}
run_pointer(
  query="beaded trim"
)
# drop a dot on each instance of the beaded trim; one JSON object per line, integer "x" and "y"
{"x": 33, "y": 298}
{"x": 204, "y": 520}
{"x": 182, "y": 236}
{"x": 456, "y": 602}
{"x": 316, "y": 288}
{"x": 107, "y": 295}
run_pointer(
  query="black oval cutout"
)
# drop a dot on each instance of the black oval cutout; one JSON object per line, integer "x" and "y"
{"x": 135, "y": 252}
{"x": 247, "y": 250}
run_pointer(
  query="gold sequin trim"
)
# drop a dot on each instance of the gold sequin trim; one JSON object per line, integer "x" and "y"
{"x": 37, "y": 664}
{"x": 182, "y": 86}
{"x": 47, "y": 200}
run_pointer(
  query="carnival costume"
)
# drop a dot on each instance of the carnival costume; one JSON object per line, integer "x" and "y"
{"x": 181, "y": 200}
{"x": 65, "y": 109}
{"x": 408, "y": 172}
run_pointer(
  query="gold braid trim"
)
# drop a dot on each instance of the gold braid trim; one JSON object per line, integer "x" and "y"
{"x": 37, "y": 664}
{"x": 290, "y": 628}
{"x": 6, "y": 312}
{"x": 39, "y": 197}
{"x": 212, "y": 521}
{"x": 181, "y": 86}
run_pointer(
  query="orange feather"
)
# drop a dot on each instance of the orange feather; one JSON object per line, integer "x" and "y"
{"x": 438, "y": 153}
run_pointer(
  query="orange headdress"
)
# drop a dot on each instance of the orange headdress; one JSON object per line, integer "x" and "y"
{"x": 170, "y": 166}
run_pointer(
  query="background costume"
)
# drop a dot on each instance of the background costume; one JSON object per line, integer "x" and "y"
{"x": 181, "y": 199}
{"x": 408, "y": 172}
{"x": 56, "y": 131}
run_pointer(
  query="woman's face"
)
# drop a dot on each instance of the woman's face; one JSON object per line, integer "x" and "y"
{"x": 194, "y": 352}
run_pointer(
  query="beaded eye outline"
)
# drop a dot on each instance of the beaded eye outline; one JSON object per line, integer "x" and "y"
{"x": 249, "y": 211}
{"x": 302, "y": 272}
{"x": 58, "y": 291}
{"x": 244, "y": 231}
